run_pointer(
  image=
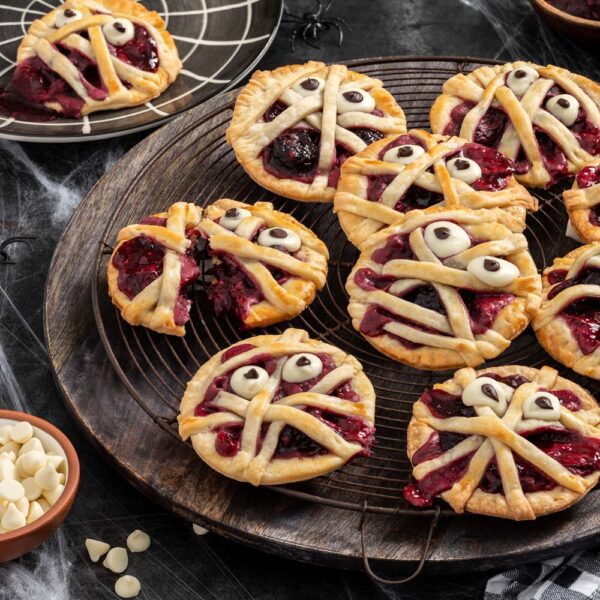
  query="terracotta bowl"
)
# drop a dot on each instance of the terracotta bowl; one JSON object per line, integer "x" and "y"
{"x": 23, "y": 540}
{"x": 583, "y": 31}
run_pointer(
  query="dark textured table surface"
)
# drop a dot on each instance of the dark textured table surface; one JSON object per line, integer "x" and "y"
{"x": 41, "y": 185}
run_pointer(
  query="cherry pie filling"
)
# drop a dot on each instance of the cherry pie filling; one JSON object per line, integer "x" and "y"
{"x": 140, "y": 262}
{"x": 491, "y": 128}
{"x": 583, "y": 314}
{"x": 587, "y": 177}
{"x": 141, "y": 52}
{"x": 292, "y": 443}
{"x": 576, "y": 452}
{"x": 294, "y": 154}
{"x": 483, "y": 308}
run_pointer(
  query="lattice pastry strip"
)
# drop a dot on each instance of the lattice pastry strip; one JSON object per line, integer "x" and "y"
{"x": 441, "y": 289}
{"x": 544, "y": 118}
{"x": 267, "y": 266}
{"x": 416, "y": 170}
{"x": 110, "y": 53}
{"x": 583, "y": 203}
{"x": 278, "y": 408}
{"x": 512, "y": 442}
{"x": 568, "y": 322}
{"x": 294, "y": 126}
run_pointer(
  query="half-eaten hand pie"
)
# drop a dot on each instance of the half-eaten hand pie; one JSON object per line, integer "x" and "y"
{"x": 293, "y": 127}
{"x": 275, "y": 409}
{"x": 511, "y": 441}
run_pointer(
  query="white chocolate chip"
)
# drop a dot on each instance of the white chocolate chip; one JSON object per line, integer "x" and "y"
{"x": 542, "y": 405}
{"x": 248, "y": 381}
{"x": 485, "y": 391}
{"x": 199, "y": 530}
{"x": 302, "y": 367}
{"x": 32, "y": 490}
{"x": 564, "y": 107}
{"x": 55, "y": 459}
{"x": 233, "y": 217}
{"x": 96, "y": 549}
{"x": 53, "y": 495}
{"x": 44, "y": 504}
{"x": 13, "y": 518}
{"x": 465, "y": 169}
{"x": 404, "y": 155}
{"x": 11, "y": 490}
{"x": 493, "y": 271}
{"x": 355, "y": 100}
{"x": 10, "y": 447}
{"x": 22, "y": 432}
{"x": 279, "y": 236}
{"x": 7, "y": 468}
{"x": 5, "y": 434}
{"x": 35, "y": 512}
{"x": 309, "y": 86}
{"x": 23, "y": 505}
{"x": 118, "y": 31}
{"x": 138, "y": 541}
{"x": 127, "y": 586}
{"x": 33, "y": 444}
{"x": 116, "y": 560}
{"x": 47, "y": 478}
{"x": 445, "y": 238}
{"x": 69, "y": 15}
{"x": 521, "y": 79}
{"x": 32, "y": 462}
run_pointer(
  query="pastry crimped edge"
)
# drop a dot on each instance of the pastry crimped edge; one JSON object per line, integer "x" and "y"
{"x": 576, "y": 203}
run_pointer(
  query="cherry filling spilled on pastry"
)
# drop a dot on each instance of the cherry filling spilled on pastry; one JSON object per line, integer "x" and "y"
{"x": 587, "y": 177}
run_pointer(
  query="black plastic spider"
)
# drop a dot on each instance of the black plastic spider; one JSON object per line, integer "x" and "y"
{"x": 313, "y": 24}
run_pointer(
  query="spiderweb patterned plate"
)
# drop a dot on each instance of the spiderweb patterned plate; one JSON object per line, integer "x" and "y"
{"x": 219, "y": 42}
{"x": 123, "y": 384}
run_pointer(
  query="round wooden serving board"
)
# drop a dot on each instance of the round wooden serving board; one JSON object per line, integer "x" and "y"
{"x": 123, "y": 384}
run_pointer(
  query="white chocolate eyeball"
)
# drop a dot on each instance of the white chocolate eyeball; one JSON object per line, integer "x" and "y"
{"x": 248, "y": 381}
{"x": 233, "y": 217}
{"x": 138, "y": 541}
{"x": 127, "y": 586}
{"x": 543, "y": 406}
{"x": 66, "y": 16}
{"x": 564, "y": 107}
{"x": 96, "y": 549}
{"x": 465, "y": 169}
{"x": 485, "y": 391}
{"x": 446, "y": 239}
{"x": 309, "y": 86}
{"x": 279, "y": 236}
{"x": 493, "y": 271}
{"x": 116, "y": 560}
{"x": 302, "y": 367}
{"x": 404, "y": 154}
{"x": 355, "y": 101}
{"x": 521, "y": 79}
{"x": 118, "y": 31}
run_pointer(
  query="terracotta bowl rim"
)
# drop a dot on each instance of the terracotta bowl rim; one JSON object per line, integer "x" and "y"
{"x": 71, "y": 484}
{"x": 565, "y": 16}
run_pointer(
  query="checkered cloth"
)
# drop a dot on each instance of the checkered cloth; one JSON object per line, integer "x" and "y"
{"x": 567, "y": 578}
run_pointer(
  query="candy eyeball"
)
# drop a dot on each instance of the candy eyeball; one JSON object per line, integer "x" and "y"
{"x": 543, "y": 406}
{"x": 233, "y": 217}
{"x": 66, "y": 16}
{"x": 309, "y": 86}
{"x": 248, "y": 381}
{"x": 302, "y": 367}
{"x": 564, "y": 107}
{"x": 465, "y": 169}
{"x": 485, "y": 391}
{"x": 278, "y": 236}
{"x": 355, "y": 101}
{"x": 404, "y": 154}
{"x": 493, "y": 271}
{"x": 445, "y": 238}
{"x": 521, "y": 79}
{"x": 118, "y": 31}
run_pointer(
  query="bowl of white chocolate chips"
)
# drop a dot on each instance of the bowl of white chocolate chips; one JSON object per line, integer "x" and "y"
{"x": 39, "y": 476}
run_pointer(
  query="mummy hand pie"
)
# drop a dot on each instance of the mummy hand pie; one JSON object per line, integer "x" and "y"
{"x": 546, "y": 119}
{"x": 275, "y": 409}
{"x": 512, "y": 442}
{"x": 267, "y": 266}
{"x": 90, "y": 55}
{"x": 293, "y": 127}
{"x": 583, "y": 203}
{"x": 417, "y": 170}
{"x": 443, "y": 289}
{"x": 568, "y": 322}
{"x": 152, "y": 266}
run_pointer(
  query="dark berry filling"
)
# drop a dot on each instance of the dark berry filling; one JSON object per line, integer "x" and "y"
{"x": 228, "y": 440}
{"x": 484, "y": 308}
{"x": 274, "y": 111}
{"x": 586, "y": 9}
{"x": 496, "y": 169}
{"x": 568, "y": 399}
{"x": 397, "y": 246}
{"x": 293, "y": 155}
{"x": 457, "y": 116}
{"x": 235, "y": 350}
{"x": 595, "y": 215}
{"x": 367, "y": 135}
{"x": 438, "y": 443}
{"x": 588, "y": 176}
{"x": 427, "y": 297}
{"x": 443, "y": 404}
{"x": 140, "y": 52}
{"x": 513, "y": 381}
{"x": 491, "y": 127}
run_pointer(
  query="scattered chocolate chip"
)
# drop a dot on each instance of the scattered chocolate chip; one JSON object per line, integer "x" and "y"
{"x": 543, "y": 402}
{"x": 405, "y": 151}
{"x": 490, "y": 391}
{"x": 303, "y": 361}
{"x": 310, "y": 84}
{"x": 251, "y": 374}
{"x": 278, "y": 233}
{"x": 442, "y": 233}
{"x": 491, "y": 265}
{"x": 353, "y": 96}
{"x": 69, "y": 13}
{"x": 519, "y": 73}
{"x": 232, "y": 213}
{"x": 563, "y": 102}
{"x": 461, "y": 164}
{"x": 119, "y": 27}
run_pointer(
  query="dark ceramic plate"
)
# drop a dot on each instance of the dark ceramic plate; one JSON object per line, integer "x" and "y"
{"x": 219, "y": 42}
